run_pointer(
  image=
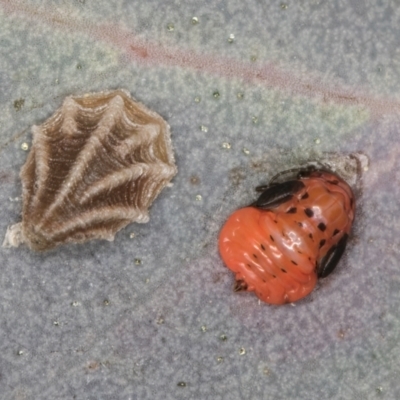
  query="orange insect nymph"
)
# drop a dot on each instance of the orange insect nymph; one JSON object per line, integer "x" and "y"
{"x": 294, "y": 233}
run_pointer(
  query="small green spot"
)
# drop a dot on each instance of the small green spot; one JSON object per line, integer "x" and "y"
{"x": 18, "y": 104}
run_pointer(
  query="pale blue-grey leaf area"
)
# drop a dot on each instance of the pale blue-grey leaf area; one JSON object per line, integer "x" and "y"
{"x": 249, "y": 88}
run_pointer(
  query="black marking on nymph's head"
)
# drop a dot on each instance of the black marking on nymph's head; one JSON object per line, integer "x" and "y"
{"x": 278, "y": 194}
{"x": 330, "y": 260}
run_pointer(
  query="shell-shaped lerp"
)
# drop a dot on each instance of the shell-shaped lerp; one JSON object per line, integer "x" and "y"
{"x": 95, "y": 166}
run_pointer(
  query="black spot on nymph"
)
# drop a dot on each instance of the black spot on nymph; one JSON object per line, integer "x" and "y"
{"x": 309, "y": 212}
{"x": 305, "y": 196}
